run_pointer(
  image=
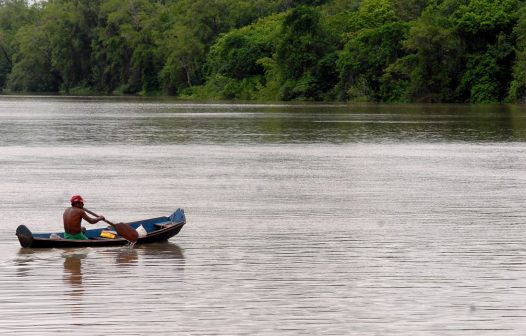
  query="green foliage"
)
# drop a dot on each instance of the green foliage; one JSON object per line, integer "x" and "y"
{"x": 375, "y": 42}
{"x": 408, "y": 10}
{"x": 271, "y": 89}
{"x": 438, "y": 58}
{"x": 366, "y": 58}
{"x": 486, "y": 76}
{"x": 183, "y": 54}
{"x": 222, "y": 87}
{"x": 193, "y": 28}
{"x": 238, "y": 55}
{"x": 478, "y": 17}
{"x": 517, "y": 90}
{"x": 69, "y": 26}
{"x": 375, "y": 13}
{"x": 395, "y": 83}
{"x": 300, "y": 52}
{"x": 14, "y": 15}
{"x": 113, "y": 45}
{"x": 301, "y": 42}
{"x": 371, "y": 50}
{"x": 32, "y": 70}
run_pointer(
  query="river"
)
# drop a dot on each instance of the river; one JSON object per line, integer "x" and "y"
{"x": 302, "y": 219}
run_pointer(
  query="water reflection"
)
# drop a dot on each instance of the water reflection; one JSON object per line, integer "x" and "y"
{"x": 126, "y": 257}
{"x": 161, "y": 122}
{"x": 77, "y": 263}
{"x": 120, "y": 259}
{"x": 23, "y": 262}
{"x": 73, "y": 272}
{"x": 164, "y": 250}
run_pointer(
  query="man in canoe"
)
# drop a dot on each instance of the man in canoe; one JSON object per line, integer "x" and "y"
{"x": 73, "y": 216}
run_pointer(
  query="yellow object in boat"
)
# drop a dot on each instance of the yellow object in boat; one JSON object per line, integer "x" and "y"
{"x": 108, "y": 234}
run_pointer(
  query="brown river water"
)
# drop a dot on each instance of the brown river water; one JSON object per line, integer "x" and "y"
{"x": 302, "y": 219}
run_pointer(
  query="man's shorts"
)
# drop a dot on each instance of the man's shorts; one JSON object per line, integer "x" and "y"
{"x": 78, "y": 236}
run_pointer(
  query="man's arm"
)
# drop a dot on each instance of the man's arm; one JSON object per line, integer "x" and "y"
{"x": 91, "y": 220}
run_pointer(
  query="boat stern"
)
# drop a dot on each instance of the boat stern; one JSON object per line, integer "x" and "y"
{"x": 25, "y": 237}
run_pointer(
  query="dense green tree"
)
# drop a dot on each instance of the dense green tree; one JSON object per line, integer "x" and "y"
{"x": 483, "y": 18}
{"x": 32, "y": 70}
{"x": 14, "y": 15}
{"x": 183, "y": 55}
{"x": 375, "y": 13}
{"x": 238, "y": 55}
{"x": 193, "y": 26}
{"x": 408, "y": 10}
{"x": 487, "y": 74}
{"x": 70, "y": 26}
{"x": 376, "y": 43}
{"x": 113, "y": 47}
{"x": 486, "y": 27}
{"x": 437, "y": 60}
{"x": 366, "y": 58}
{"x": 517, "y": 90}
{"x": 303, "y": 43}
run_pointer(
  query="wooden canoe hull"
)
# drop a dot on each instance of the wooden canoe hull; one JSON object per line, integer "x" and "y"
{"x": 158, "y": 229}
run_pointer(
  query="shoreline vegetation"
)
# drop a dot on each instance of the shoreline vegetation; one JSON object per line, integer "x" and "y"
{"x": 389, "y": 51}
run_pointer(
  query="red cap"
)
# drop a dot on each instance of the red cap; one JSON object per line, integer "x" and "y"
{"x": 76, "y": 198}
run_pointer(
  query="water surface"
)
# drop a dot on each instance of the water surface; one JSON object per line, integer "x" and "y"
{"x": 303, "y": 219}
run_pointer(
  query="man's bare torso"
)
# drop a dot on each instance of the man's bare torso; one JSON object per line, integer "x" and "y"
{"x": 72, "y": 219}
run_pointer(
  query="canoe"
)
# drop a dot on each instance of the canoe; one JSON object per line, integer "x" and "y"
{"x": 150, "y": 231}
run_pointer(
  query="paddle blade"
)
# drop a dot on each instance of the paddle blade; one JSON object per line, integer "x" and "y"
{"x": 126, "y": 232}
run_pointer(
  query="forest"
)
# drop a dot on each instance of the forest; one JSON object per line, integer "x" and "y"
{"x": 451, "y": 51}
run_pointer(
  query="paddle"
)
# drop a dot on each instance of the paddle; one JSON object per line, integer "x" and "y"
{"x": 126, "y": 231}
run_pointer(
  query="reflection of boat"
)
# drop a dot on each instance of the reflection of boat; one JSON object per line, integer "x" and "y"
{"x": 126, "y": 257}
{"x": 164, "y": 250}
{"x": 155, "y": 230}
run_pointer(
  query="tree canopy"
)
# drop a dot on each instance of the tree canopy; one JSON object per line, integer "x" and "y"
{"x": 466, "y": 51}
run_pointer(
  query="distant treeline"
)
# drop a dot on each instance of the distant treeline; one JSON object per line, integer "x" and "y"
{"x": 467, "y": 51}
